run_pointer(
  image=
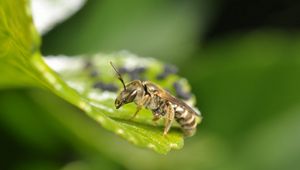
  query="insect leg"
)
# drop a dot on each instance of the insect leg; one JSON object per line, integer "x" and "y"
{"x": 156, "y": 117}
{"x": 169, "y": 117}
{"x": 139, "y": 107}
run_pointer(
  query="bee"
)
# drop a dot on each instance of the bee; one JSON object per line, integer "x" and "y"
{"x": 160, "y": 102}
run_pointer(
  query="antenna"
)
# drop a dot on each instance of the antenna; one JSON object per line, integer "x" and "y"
{"x": 119, "y": 75}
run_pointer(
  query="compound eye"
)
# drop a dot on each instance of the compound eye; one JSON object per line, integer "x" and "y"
{"x": 131, "y": 96}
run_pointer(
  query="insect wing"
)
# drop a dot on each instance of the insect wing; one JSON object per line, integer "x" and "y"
{"x": 165, "y": 95}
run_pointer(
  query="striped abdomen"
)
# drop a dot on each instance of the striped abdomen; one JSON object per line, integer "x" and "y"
{"x": 186, "y": 119}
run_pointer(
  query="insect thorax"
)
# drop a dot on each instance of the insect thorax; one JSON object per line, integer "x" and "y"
{"x": 157, "y": 105}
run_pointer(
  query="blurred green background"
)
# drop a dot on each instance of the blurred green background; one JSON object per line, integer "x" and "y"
{"x": 242, "y": 59}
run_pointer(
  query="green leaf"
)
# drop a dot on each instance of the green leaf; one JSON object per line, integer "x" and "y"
{"x": 18, "y": 41}
{"x": 95, "y": 80}
{"x": 21, "y": 65}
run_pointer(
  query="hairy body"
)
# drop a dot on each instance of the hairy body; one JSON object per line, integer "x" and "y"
{"x": 161, "y": 103}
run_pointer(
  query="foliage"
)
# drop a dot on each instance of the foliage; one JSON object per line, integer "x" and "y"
{"x": 246, "y": 86}
{"x": 24, "y": 65}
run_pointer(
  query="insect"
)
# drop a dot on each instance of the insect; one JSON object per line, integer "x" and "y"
{"x": 160, "y": 102}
